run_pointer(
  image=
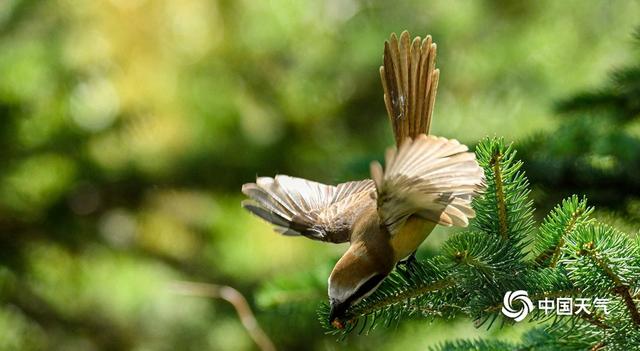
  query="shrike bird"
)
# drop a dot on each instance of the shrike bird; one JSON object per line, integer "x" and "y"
{"x": 427, "y": 180}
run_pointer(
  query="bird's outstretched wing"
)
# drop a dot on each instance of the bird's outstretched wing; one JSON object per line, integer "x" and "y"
{"x": 431, "y": 177}
{"x": 297, "y": 206}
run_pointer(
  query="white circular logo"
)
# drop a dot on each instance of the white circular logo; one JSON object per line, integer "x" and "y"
{"x": 518, "y": 295}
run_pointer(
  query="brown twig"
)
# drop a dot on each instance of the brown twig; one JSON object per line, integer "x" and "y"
{"x": 235, "y": 298}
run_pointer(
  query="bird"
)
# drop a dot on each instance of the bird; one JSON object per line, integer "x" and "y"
{"x": 427, "y": 181}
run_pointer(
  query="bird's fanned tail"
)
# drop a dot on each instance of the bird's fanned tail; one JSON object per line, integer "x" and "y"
{"x": 410, "y": 80}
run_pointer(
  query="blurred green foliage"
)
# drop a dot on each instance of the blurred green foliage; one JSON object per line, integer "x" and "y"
{"x": 596, "y": 147}
{"x": 128, "y": 126}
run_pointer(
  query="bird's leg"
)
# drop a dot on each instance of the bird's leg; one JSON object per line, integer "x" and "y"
{"x": 410, "y": 260}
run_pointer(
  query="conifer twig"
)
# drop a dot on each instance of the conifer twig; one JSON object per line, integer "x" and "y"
{"x": 236, "y": 299}
{"x": 502, "y": 209}
{"x": 620, "y": 288}
{"x": 556, "y": 251}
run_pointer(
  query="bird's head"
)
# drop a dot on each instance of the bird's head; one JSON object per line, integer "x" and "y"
{"x": 355, "y": 276}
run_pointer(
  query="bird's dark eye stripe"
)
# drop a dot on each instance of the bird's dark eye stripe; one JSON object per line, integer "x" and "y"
{"x": 366, "y": 287}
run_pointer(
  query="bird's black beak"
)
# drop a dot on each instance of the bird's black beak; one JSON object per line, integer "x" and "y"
{"x": 337, "y": 311}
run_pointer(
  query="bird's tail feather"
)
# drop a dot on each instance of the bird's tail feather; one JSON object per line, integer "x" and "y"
{"x": 410, "y": 81}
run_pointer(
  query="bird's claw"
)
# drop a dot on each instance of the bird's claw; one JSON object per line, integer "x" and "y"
{"x": 410, "y": 262}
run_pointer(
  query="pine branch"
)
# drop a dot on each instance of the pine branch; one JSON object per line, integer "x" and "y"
{"x": 558, "y": 224}
{"x": 479, "y": 254}
{"x": 620, "y": 288}
{"x": 501, "y": 198}
{"x": 615, "y": 259}
{"x": 506, "y": 196}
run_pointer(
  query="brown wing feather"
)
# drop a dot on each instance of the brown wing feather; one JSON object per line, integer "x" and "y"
{"x": 297, "y": 206}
